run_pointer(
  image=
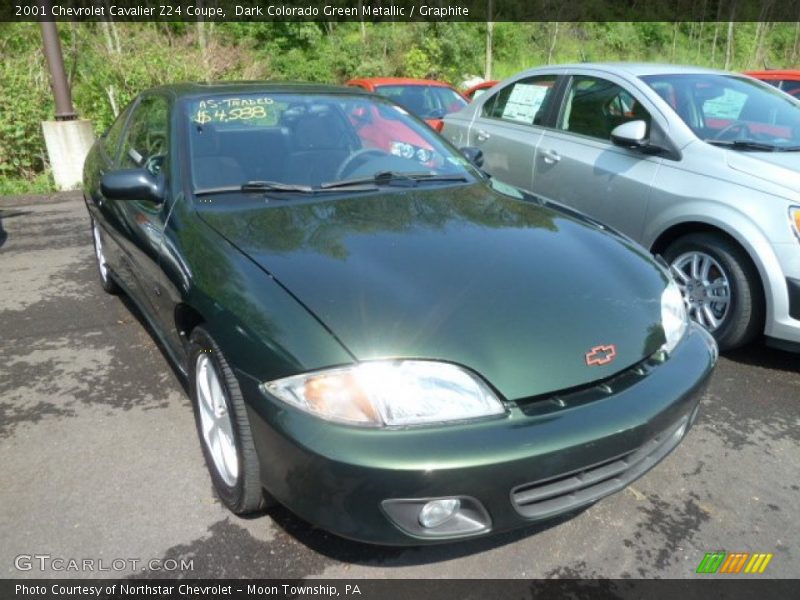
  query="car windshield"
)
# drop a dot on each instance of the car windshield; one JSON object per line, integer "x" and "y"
{"x": 731, "y": 110}
{"x": 425, "y": 101}
{"x": 298, "y": 142}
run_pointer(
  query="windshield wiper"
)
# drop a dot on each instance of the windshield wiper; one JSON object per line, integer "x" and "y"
{"x": 275, "y": 186}
{"x": 256, "y": 186}
{"x": 392, "y": 178}
{"x": 745, "y": 145}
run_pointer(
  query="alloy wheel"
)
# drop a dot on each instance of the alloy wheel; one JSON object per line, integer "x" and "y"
{"x": 98, "y": 249}
{"x": 215, "y": 420}
{"x": 705, "y": 288}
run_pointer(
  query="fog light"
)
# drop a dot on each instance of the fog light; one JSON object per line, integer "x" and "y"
{"x": 436, "y": 512}
{"x": 453, "y": 517}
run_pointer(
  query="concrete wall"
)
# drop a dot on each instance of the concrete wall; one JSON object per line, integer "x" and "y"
{"x": 68, "y": 143}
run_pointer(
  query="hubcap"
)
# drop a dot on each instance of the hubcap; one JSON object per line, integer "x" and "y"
{"x": 98, "y": 249}
{"x": 705, "y": 288}
{"x": 215, "y": 420}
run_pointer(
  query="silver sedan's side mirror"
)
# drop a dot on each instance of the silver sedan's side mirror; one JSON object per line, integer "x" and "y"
{"x": 632, "y": 134}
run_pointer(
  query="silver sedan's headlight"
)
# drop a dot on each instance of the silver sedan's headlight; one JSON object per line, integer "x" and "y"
{"x": 673, "y": 316}
{"x": 390, "y": 393}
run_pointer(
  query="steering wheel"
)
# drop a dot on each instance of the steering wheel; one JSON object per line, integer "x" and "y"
{"x": 740, "y": 125}
{"x": 347, "y": 166}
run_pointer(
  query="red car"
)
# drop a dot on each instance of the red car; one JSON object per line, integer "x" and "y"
{"x": 476, "y": 90}
{"x": 787, "y": 80}
{"x": 426, "y": 98}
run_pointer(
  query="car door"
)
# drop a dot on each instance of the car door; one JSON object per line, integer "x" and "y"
{"x": 146, "y": 146}
{"x": 509, "y": 125}
{"x": 578, "y": 165}
{"x": 102, "y": 158}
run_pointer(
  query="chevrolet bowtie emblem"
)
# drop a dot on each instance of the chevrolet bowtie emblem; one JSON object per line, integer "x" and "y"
{"x": 601, "y": 355}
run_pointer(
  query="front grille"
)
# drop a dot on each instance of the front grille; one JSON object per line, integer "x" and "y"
{"x": 560, "y": 494}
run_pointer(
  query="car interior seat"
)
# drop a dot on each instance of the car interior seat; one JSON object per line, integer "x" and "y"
{"x": 320, "y": 139}
{"x": 211, "y": 168}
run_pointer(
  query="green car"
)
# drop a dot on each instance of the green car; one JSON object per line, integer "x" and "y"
{"x": 374, "y": 333}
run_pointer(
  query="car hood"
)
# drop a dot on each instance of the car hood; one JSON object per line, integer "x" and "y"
{"x": 781, "y": 168}
{"x": 515, "y": 290}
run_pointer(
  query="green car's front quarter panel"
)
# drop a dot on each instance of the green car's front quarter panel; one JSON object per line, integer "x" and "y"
{"x": 262, "y": 329}
{"x": 337, "y": 476}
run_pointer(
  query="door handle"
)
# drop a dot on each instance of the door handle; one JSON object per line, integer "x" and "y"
{"x": 551, "y": 157}
{"x": 483, "y": 135}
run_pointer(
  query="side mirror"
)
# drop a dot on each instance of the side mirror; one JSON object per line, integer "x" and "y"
{"x": 632, "y": 134}
{"x": 132, "y": 184}
{"x": 473, "y": 155}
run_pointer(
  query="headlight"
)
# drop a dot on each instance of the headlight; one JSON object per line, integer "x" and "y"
{"x": 390, "y": 393}
{"x": 406, "y": 150}
{"x": 794, "y": 218}
{"x": 673, "y": 316}
{"x": 402, "y": 149}
{"x": 424, "y": 155}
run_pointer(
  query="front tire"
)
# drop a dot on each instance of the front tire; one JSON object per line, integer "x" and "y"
{"x": 223, "y": 426}
{"x": 720, "y": 286}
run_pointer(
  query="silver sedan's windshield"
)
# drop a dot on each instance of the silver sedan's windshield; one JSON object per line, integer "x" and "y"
{"x": 731, "y": 110}
{"x": 295, "y": 143}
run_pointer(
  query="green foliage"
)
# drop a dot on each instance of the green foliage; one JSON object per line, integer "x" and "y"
{"x": 108, "y": 64}
{"x": 38, "y": 184}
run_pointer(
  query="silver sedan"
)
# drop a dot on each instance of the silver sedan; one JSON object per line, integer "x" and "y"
{"x": 700, "y": 166}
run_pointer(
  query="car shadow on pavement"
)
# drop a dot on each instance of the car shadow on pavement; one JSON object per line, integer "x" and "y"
{"x": 7, "y": 214}
{"x": 350, "y": 551}
{"x": 758, "y": 354}
{"x": 137, "y": 314}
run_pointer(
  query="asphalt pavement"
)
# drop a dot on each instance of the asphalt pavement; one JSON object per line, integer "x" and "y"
{"x": 100, "y": 459}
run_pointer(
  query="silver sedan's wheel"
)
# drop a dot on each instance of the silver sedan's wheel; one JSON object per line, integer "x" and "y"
{"x": 720, "y": 285}
{"x": 215, "y": 419}
{"x": 705, "y": 287}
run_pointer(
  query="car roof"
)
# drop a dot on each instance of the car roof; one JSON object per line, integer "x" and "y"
{"x": 775, "y": 74}
{"x": 189, "y": 89}
{"x": 378, "y": 81}
{"x": 637, "y": 69}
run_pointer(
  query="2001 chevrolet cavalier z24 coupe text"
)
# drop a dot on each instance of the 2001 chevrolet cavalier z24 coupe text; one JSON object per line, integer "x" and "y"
{"x": 393, "y": 346}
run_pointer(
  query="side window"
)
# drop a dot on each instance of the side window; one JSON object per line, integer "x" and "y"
{"x": 523, "y": 101}
{"x": 791, "y": 87}
{"x": 146, "y": 143}
{"x": 114, "y": 134}
{"x": 595, "y": 106}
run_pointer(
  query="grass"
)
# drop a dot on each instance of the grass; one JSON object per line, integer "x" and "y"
{"x": 42, "y": 183}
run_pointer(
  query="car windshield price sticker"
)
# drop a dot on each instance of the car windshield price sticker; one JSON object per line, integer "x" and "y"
{"x": 223, "y": 110}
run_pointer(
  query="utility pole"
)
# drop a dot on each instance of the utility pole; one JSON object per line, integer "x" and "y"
{"x": 58, "y": 75}
{"x": 68, "y": 138}
{"x": 487, "y": 69}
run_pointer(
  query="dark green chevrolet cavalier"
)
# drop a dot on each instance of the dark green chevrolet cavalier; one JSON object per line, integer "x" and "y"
{"x": 374, "y": 333}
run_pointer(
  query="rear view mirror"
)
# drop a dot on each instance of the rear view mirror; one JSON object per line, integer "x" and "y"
{"x": 473, "y": 155}
{"x": 632, "y": 134}
{"x": 132, "y": 184}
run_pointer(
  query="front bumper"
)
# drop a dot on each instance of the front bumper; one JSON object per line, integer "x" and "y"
{"x": 549, "y": 456}
{"x": 783, "y": 289}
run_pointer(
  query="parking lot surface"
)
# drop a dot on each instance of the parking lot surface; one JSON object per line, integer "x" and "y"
{"x": 101, "y": 460}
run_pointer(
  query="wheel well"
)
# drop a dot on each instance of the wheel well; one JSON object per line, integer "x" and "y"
{"x": 677, "y": 231}
{"x": 186, "y": 319}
